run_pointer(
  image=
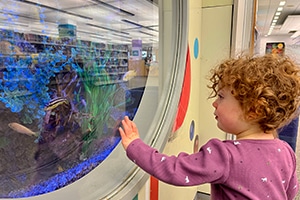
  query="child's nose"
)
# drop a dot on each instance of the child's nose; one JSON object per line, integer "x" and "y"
{"x": 214, "y": 104}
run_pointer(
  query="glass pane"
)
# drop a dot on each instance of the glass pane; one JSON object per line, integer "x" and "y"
{"x": 70, "y": 71}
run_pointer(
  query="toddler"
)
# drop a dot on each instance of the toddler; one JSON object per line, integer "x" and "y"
{"x": 255, "y": 96}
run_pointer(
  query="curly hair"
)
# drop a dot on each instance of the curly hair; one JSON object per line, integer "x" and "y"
{"x": 267, "y": 87}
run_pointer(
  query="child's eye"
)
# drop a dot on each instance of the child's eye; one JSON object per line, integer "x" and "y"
{"x": 220, "y": 96}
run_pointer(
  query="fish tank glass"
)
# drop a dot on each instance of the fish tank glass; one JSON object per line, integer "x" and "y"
{"x": 67, "y": 79}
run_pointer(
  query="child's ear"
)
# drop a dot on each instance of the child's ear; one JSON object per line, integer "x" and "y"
{"x": 251, "y": 116}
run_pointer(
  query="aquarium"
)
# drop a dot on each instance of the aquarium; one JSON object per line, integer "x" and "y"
{"x": 66, "y": 81}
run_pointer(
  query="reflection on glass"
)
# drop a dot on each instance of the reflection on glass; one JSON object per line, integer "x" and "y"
{"x": 70, "y": 71}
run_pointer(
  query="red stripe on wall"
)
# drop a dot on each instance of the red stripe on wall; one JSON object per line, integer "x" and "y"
{"x": 153, "y": 188}
{"x": 185, "y": 94}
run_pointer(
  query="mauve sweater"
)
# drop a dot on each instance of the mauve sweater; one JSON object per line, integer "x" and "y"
{"x": 240, "y": 169}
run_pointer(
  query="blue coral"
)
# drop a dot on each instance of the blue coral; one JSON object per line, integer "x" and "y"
{"x": 25, "y": 86}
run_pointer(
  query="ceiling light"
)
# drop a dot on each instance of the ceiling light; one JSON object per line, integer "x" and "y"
{"x": 279, "y": 8}
{"x": 52, "y": 8}
{"x": 138, "y": 25}
{"x": 276, "y": 17}
{"x": 146, "y": 33}
{"x": 106, "y": 28}
{"x": 97, "y": 36}
{"x": 113, "y": 7}
{"x": 282, "y": 3}
{"x": 122, "y": 36}
{"x": 277, "y": 13}
{"x": 14, "y": 23}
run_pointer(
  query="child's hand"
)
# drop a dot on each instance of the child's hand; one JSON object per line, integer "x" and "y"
{"x": 129, "y": 132}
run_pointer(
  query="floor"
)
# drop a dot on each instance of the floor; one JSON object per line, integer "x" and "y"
{"x": 201, "y": 196}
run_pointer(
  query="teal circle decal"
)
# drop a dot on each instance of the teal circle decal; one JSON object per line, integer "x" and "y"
{"x": 196, "y": 48}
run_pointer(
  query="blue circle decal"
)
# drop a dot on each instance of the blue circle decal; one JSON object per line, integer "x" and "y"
{"x": 196, "y": 48}
{"x": 192, "y": 130}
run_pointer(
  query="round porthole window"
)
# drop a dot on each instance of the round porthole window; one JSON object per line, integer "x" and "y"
{"x": 70, "y": 71}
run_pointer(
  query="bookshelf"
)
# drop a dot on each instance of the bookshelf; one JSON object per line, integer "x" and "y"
{"x": 113, "y": 58}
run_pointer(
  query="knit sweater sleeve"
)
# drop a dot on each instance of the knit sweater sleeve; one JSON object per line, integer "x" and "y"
{"x": 293, "y": 186}
{"x": 210, "y": 164}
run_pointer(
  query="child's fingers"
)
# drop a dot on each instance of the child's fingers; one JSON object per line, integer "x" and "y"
{"x": 126, "y": 127}
{"x": 134, "y": 128}
{"x": 127, "y": 120}
{"x": 122, "y": 133}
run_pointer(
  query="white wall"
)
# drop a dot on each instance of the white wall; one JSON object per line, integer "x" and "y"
{"x": 292, "y": 50}
{"x": 215, "y": 47}
{"x": 180, "y": 141}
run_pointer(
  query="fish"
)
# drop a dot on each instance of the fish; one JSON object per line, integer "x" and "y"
{"x": 59, "y": 169}
{"x": 129, "y": 75}
{"x": 54, "y": 103}
{"x": 22, "y": 129}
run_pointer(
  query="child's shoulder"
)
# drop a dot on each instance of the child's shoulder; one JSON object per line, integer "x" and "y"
{"x": 252, "y": 147}
{"x": 256, "y": 143}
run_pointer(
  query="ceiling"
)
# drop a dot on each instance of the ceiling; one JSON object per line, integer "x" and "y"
{"x": 121, "y": 21}
{"x": 288, "y": 22}
{"x": 107, "y": 21}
